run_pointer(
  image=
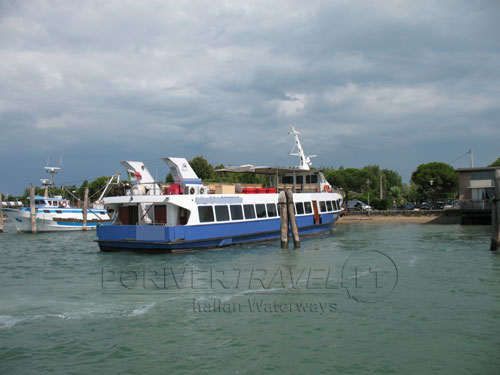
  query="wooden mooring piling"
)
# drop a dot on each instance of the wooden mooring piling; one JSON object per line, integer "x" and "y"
{"x": 85, "y": 207}
{"x": 495, "y": 215}
{"x": 1, "y": 214}
{"x": 287, "y": 219}
{"x": 32, "y": 209}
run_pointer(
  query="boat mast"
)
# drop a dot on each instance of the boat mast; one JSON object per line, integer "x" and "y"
{"x": 49, "y": 182}
{"x": 305, "y": 161}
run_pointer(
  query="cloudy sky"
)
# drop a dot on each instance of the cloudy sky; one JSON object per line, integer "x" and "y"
{"x": 394, "y": 83}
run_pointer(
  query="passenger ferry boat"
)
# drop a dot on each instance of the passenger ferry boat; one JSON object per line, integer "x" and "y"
{"x": 55, "y": 214}
{"x": 190, "y": 214}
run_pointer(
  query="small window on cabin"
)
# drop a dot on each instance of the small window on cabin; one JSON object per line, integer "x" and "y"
{"x": 37, "y": 201}
{"x": 236, "y": 212}
{"x": 288, "y": 179}
{"x": 329, "y": 205}
{"x": 249, "y": 211}
{"x": 46, "y": 211}
{"x": 299, "y": 180}
{"x": 58, "y": 211}
{"x": 334, "y": 205}
{"x": 322, "y": 206}
{"x": 206, "y": 214}
{"x": 261, "y": 210}
{"x": 308, "y": 207}
{"x": 299, "y": 208}
{"x": 271, "y": 210}
{"x": 312, "y": 179}
{"x": 222, "y": 213}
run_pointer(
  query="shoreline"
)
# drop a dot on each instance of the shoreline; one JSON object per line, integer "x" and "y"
{"x": 424, "y": 219}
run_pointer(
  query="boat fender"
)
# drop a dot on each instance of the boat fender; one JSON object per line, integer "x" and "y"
{"x": 202, "y": 191}
{"x": 191, "y": 191}
{"x": 63, "y": 204}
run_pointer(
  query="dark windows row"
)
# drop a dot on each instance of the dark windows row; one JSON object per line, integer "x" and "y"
{"x": 236, "y": 212}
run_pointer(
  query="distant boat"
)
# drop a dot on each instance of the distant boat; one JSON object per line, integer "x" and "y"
{"x": 189, "y": 214}
{"x": 55, "y": 214}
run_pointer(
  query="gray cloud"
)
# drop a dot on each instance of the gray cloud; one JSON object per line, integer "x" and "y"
{"x": 393, "y": 83}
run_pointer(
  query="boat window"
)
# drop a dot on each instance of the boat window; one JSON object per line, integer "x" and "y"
{"x": 338, "y": 204}
{"x": 288, "y": 179}
{"x": 299, "y": 180}
{"x": 58, "y": 211}
{"x": 322, "y": 206}
{"x": 249, "y": 211}
{"x": 37, "y": 201}
{"x": 236, "y": 212}
{"x": 334, "y": 205}
{"x": 206, "y": 214}
{"x": 312, "y": 179}
{"x": 271, "y": 210}
{"x": 299, "y": 208}
{"x": 261, "y": 210}
{"x": 46, "y": 211}
{"x": 308, "y": 207}
{"x": 329, "y": 205}
{"x": 222, "y": 213}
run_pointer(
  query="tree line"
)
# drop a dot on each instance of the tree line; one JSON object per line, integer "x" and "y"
{"x": 429, "y": 182}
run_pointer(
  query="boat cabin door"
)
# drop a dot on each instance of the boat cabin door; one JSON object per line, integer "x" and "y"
{"x": 316, "y": 212}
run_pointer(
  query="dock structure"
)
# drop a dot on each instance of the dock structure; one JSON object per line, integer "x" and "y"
{"x": 1, "y": 214}
{"x": 495, "y": 214}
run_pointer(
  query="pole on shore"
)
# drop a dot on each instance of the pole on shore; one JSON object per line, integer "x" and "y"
{"x": 85, "y": 207}
{"x": 381, "y": 194}
{"x": 32, "y": 209}
{"x": 283, "y": 219}
{"x": 495, "y": 215}
{"x": 291, "y": 218}
{"x": 1, "y": 214}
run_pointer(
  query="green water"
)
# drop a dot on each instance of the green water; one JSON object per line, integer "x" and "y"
{"x": 365, "y": 299}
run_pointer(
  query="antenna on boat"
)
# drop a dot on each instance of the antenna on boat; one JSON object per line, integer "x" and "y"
{"x": 305, "y": 161}
{"x": 50, "y": 181}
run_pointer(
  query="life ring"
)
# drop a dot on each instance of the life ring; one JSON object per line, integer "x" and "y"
{"x": 63, "y": 204}
{"x": 191, "y": 191}
{"x": 327, "y": 188}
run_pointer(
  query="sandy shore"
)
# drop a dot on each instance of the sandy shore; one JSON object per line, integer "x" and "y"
{"x": 434, "y": 219}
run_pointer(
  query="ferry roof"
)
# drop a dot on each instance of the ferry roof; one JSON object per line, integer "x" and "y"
{"x": 266, "y": 170}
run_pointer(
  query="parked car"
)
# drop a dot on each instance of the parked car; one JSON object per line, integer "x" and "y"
{"x": 425, "y": 206}
{"x": 357, "y": 205}
{"x": 407, "y": 206}
{"x": 439, "y": 205}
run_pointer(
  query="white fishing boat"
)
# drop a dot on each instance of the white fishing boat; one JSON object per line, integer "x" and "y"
{"x": 55, "y": 214}
{"x": 189, "y": 214}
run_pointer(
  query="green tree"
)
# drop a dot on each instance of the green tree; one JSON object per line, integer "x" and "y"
{"x": 444, "y": 181}
{"x": 202, "y": 167}
{"x": 496, "y": 163}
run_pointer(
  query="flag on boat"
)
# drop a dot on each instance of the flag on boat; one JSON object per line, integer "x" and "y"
{"x": 134, "y": 175}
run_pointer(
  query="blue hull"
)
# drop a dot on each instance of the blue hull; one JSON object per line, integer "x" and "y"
{"x": 151, "y": 238}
